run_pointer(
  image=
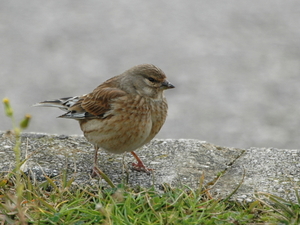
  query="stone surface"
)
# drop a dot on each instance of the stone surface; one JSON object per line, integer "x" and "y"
{"x": 176, "y": 162}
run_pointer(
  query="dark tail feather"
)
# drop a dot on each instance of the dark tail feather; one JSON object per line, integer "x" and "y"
{"x": 58, "y": 103}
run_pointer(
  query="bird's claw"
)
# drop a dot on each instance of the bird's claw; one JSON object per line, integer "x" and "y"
{"x": 141, "y": 168}
{"x": 95, "y": 172}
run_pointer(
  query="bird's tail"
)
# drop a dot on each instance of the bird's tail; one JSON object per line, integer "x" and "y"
{"x": 62, "y": 103}
{"x": 71, "y": 105}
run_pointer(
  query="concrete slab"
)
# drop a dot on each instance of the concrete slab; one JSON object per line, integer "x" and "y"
{"x": 175, "y": 162}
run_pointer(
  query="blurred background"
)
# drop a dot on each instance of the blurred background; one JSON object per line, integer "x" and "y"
{"x": 235, "y": 64}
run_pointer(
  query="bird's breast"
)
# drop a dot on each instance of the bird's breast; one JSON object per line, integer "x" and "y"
{"x": 131, "y": 122}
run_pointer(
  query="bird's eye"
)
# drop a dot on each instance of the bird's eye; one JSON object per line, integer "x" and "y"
{"x": 151, "y": 79}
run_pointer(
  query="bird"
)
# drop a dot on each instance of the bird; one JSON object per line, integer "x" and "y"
{"x": 122, "y": 114}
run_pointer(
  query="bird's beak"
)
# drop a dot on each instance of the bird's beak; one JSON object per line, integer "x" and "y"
{"x": 166, "y": 85}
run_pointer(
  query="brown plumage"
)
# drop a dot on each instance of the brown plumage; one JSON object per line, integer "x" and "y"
{"x": 123, "y": 113}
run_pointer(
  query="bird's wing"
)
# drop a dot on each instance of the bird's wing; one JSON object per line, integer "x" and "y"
{"x": 98, "y": 102}
{"x": 93, "y": 105}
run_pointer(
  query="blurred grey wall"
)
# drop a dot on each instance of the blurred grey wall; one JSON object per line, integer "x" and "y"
{"x": 235, "y": 64}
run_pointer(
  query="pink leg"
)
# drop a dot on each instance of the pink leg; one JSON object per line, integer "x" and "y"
{"x": 95, "y": 169}
{"x": 139, "y": 166}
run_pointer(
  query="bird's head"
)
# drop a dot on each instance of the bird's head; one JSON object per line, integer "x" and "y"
{"x": 147, "y": 80}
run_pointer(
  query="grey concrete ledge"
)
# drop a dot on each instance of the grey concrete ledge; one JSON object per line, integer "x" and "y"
{"x": 175, "y": 162}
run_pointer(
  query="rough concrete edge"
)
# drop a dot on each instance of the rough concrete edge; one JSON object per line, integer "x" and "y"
{"x": 225, "y": 172}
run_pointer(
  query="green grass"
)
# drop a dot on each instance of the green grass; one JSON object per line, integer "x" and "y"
{"x": 57, "y": 201}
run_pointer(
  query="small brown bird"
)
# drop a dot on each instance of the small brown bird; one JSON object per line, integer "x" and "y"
{"x": 123, "y": 113}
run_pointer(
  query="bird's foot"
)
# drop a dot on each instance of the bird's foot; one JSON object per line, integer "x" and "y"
{"x": 141, "y": 167}
{"x": 96, "y": 172}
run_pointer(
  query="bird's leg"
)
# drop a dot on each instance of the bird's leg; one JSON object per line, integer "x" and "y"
{"x": 139, "y": 166}
{"x": 95, "y": 170}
